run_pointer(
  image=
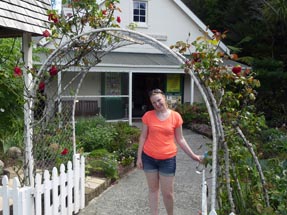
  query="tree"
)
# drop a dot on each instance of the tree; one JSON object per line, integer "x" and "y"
{"x": 257, "y": 32}
{"x": 257, "y": 27}
{"x": 11, "y": 86}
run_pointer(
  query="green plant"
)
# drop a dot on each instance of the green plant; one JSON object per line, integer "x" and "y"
{"x": 102, "y": 163}
{"x": 195, "y": 113}
{"x": 127, "y": 156}
{"x": 96, "y": 133}
{"x": 12, "y": 139}
{"x": 107, "y": 144}
{"x": 131, "y": 131}
{"x": 11, "y": 87}
{"x": 276, "y": 174}
{"x": 268, "y": 64}
{"x": 97, "y": 137}
{"x": 230, "y": 94}
{"x": 82, "y": 124}
{"x": 125, "y": 136}
{"x": 272, "y": 143}
{"x": 271, "y": 97}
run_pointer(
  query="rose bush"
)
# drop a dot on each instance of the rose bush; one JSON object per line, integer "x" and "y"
{"x": 232, "y": 92}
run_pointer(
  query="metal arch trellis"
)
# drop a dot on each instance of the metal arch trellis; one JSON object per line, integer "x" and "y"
{"x": 54, "y": 118}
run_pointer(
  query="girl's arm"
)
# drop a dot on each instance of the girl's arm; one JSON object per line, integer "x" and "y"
{"x": 142, "y": 139}
{"x": 183, "y": 144}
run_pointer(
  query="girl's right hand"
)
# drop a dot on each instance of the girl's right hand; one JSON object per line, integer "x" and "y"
{"x": 139, "y": 163}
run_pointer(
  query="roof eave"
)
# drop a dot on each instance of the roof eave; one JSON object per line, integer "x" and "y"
{"x": 21, "y": 16}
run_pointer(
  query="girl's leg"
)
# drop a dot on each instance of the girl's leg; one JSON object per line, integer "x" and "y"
{"x": 167, "y": 184}
{"x": 153, "y": 185}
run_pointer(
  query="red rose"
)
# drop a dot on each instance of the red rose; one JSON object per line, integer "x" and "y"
{"x": 119, "y": 19}
{"x": 104, "y": 12}
{"x": 46, "y": 33}
{"x": 234, "y": 56}
{"x": 41, "y": 86}
{"x": 56, "y": 20}
{"x": 50, "y": 16}
{"x": 17, "y": 71}
{"x": 236, "y": 69}
{"x": 65, "y": 151}
{"x": 196, "y": 57}
{"x": 53, "y": 71}
{"x": 53, "y": 17}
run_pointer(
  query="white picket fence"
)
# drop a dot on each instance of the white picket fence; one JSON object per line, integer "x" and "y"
{"x": 56, "y": 194}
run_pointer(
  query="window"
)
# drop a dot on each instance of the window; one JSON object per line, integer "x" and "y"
{"x": 140, "y": 12}
{"x": 113, "y": 83}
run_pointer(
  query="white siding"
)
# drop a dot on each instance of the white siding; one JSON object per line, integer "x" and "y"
{"x": 23, "y": 15}
{"x": 165, "y": 19}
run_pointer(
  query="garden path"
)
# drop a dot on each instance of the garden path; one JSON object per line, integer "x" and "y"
{"x": 129, "y": 195}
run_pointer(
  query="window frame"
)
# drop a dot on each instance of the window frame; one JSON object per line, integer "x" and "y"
{"x": 138, "y": 23}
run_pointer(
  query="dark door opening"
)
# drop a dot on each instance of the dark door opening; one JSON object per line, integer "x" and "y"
{"x": 142, "y": 84}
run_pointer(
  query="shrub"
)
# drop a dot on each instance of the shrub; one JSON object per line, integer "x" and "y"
{"x": 125, "y": 136}
{"x": 13, "y": 139}
{"x": 268, "y": 64}
{"x": 127, "y": 156}
{"x": 107, "y": 145}
{"x": 97, "y": 137}
{"x": 271, "y": 97}
{"x": 95, "y": 134}
{"x": 273, "y": 144}
{"x": 275, "y": 173}
{"x": 83, "y": 124}
{"x": 100, "y": 162}
{"x": 195, "y": 113}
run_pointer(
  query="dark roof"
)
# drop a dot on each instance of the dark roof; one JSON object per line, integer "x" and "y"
{"x": 18, "y": 16}
{"x": 138, "y": 59}
{"x": 152, "y": 59}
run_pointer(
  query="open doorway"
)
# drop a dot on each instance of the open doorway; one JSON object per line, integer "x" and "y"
{"x": 142, "y": 84}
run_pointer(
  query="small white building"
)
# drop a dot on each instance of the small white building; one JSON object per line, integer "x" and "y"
{"x": 132, "y": 71}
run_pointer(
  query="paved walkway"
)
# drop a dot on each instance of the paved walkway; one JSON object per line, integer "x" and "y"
{"x": 129, "y": 195}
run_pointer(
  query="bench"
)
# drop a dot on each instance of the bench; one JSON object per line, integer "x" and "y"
{"x": 83, "y": 107}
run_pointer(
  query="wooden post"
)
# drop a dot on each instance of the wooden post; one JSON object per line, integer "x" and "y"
{"x": 191, "y": 90}
{"x": 28, "y": 131}
{"x": 130, "y": 108}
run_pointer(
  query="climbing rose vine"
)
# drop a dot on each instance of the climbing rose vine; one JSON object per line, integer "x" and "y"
{"x": 231, "y": 90}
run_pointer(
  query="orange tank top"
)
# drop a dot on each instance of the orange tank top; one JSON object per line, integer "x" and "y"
{"x": 160, "y": 141}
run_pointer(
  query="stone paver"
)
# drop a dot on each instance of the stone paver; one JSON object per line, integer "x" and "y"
{"x": 93, "y": 183}
{"x": 129, "y": 195}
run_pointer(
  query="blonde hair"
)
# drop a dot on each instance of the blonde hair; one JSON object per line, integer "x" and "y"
{"x": 154, "y": 92}
{"x": 158, "y": 91}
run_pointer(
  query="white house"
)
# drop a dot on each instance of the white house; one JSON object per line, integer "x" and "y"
{"x": 130, "y": 72}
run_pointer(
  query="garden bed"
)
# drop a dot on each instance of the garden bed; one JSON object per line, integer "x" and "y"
{"x": 200, "y": 129}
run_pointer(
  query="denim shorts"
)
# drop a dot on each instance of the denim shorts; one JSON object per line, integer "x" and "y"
{"x": 164, "y": 167}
